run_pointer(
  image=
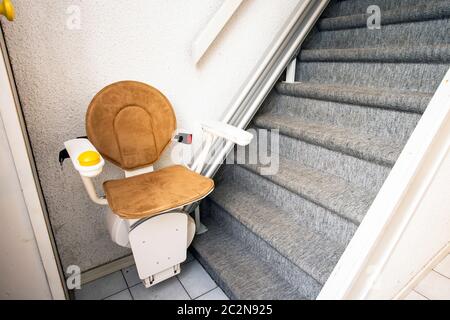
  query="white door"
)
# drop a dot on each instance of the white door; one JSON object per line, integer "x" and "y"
{"x": 29, "y": 267}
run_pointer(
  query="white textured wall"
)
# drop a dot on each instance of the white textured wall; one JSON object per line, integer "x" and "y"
{"x": 59, "y": 70}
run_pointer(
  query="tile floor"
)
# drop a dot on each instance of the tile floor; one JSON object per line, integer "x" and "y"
{"x": 192, "y": 283}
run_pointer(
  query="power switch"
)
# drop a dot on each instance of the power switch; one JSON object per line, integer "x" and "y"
{"x": 185, "y": 138}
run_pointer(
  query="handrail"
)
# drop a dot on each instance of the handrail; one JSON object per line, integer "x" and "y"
{"x": 274, "y": 62}
{"x": 206, "y": 38}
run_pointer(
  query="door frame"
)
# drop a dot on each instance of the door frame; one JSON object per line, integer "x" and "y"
{"x": 16, "y": 134}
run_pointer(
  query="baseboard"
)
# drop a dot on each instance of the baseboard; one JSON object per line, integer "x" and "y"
{"x": 106, "y": 269}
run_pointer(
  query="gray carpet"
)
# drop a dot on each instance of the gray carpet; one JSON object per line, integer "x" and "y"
{"x": 358, "y": 96}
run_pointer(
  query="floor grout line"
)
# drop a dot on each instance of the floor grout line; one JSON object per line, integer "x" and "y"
{"x": 420, "y": 294}
{"x": 207, "y": 292}
{"x": 184, "y": 288}
{"x": 127, "y": 289}
{"x": 126, "y": 282}
{"x": 123, "y": 277}
{"x": 440, "y": 274}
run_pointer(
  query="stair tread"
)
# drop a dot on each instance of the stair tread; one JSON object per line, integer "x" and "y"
{"x": 310, "y": 251}
{"x": 343, "y": 8}
{"x": 345, "y": 140}
{"x": 421, "y": 12}
{"x": 324, "y": 189}
{"x": 240, "y": 273}
{"x": 374, "y": 97}
{"x": 421, "y": 54}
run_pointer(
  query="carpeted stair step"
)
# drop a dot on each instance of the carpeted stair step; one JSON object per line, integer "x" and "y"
{"x": 358, "y": 95}
{"x": 373, "y": 97}
{"x": 349, "y": 7}
{"x": 359, "y": 172}
{"x": 311, "y": 252}
{"x": 311, "y": 213}
{"x": 414, "y": 77}
{"x": 420, "y": 54}
{"x": 326, "y": 190}
{"x": 343, "y": 140}
{"x": 393, "y": 35}
{"x": 420, "y": 12}
{"x": 237, "y": 270}
{"x": 381, "y": 122}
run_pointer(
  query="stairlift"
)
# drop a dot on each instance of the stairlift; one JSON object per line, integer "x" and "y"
{"x": 131, "y": 124}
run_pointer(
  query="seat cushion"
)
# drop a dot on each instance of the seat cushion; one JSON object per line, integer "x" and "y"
{"x": 152, "y": 193}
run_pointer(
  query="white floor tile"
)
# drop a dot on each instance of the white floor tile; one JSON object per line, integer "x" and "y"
{"x": 102, "y": 288}
{"x": 123, "y": 295}
{"x": 131, "y": 276}
{"x": 415, "y": 296}
{"x": 216, "y": 294}
{"x": 195, "y": 279}
{"x": 170, "y": 289}
{"x": 434, "y": 287}
{"x": 444, "y": 267}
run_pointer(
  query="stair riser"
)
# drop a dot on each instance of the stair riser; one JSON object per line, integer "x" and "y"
{"x": 428, "y": 54}
{"x": 392, "y": 100}
{"x": 393, "y": 35}
{"x": 304, "y": 211}
{"x": 376, "y": 121}
{"x": 237, "y": 270}
{"x": 431, "y": 11}
{"x": 306, "y": 285}
{"x": 414, "y": 77}
{"x": 356, "y": 171}
{"x": 212, "y": 272}
{"x": 345, "y": 8}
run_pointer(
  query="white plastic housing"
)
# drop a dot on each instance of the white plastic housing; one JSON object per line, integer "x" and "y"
{"x": 159, "y": 244}
{"x": 228, "y": 132}
{"x": 77, "y": 146}
{"x": 118, "y": 229}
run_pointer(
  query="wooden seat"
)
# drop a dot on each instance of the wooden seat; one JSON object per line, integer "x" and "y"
{"x": 156, "y": 192}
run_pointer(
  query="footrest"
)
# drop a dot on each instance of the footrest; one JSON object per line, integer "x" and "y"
{"x": 159, "y": 246}
{"x": 161, "y": 276}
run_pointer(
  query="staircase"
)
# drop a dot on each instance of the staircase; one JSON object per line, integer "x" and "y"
{"x": 358, "y": 95}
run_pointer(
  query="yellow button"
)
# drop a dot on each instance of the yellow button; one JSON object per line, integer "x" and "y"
{"x": 7, "y": 9}
{"x": 89, "y": 158}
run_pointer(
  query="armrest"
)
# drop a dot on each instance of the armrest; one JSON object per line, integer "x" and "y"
{"x": 88, "y": 162}
{"x": 85, "y": 158}
{"x": 220, "y": 130}
{"x": 228, "y": 132}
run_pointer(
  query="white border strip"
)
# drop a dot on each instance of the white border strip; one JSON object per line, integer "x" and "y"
{"x": 206, "y": 38}
{"x": 364, "y": 259}
{"x": 18, "y": 145}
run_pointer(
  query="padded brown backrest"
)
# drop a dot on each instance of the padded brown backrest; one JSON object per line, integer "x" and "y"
{"x": 130, "y": 123}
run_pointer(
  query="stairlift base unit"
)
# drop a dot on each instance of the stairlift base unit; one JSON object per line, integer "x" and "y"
{"x": 130, "y": 124}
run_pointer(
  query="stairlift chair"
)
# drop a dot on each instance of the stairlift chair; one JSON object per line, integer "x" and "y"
{"x": 131, "y": 124}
